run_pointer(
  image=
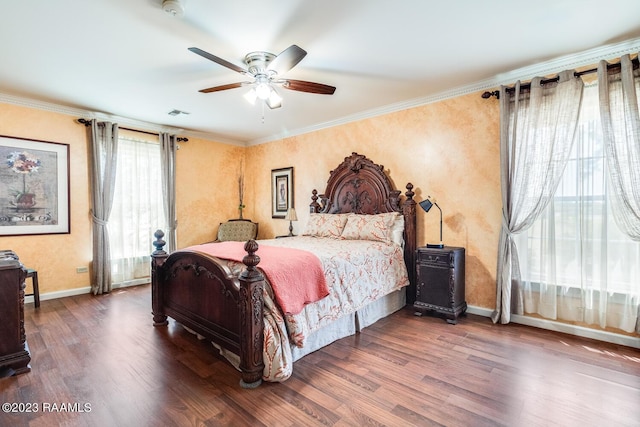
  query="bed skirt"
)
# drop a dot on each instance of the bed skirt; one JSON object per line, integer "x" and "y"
{"x": 352, "y": 323}
{"x": 341, "y": 328}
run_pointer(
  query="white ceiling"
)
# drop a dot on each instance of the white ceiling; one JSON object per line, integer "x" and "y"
{"x": 128, "y": 59}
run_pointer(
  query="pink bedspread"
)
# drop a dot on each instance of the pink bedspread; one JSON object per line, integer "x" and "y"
{"x": 295, "y": 275}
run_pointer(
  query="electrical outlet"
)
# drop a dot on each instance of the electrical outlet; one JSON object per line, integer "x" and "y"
{"x": 82, "y": 269}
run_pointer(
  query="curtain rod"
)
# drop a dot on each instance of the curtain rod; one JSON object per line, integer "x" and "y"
{"x": 88, "y": 123}
{"x": 610, "y": 68}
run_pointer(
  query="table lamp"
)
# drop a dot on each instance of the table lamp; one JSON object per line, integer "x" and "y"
{"x": 291, "y": 216}
{"x": 426, "y": 205}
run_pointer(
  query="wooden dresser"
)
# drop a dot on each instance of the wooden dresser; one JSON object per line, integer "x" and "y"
{"x": 14, "y": 352}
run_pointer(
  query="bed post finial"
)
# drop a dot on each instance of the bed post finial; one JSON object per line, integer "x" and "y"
{"x": 251, "y": 319}
{"x": 251, "y": 259}
{"x": 314, "y": 206}
{"x": 410, "y": 192}
{"x": 159, "y": 243}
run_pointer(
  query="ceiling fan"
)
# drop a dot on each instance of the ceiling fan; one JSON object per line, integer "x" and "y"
{"x": 265, "y": 69}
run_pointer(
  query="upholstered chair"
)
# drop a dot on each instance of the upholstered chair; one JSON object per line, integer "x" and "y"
{"x": 238, "y": 230}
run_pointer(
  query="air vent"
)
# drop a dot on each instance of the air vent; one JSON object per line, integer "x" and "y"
{"x": 177, "y": 112}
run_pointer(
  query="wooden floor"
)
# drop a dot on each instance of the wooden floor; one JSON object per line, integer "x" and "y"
{"x": 98, "y": 361}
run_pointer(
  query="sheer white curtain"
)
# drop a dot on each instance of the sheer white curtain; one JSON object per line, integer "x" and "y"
{"x": 536, "y": 134}
{"x": 576, "y": 263}
{"x": 137, "y": 211}
{"x": 621, "y": 126}
{"x": 620, "y": 113}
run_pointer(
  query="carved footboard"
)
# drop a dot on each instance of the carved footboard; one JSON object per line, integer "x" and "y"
{"x": 201, "y": 293}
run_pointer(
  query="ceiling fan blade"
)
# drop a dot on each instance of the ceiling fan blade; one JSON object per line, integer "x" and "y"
{"x": 310, "y": 87}
{"x": 218, "y": 60}
{"x": 287, "y": 59}
{"x": 224, "y": 87}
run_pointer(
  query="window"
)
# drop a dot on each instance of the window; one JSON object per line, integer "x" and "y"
{"x": 137, "y": 210}
{"x": 575, "y": 259}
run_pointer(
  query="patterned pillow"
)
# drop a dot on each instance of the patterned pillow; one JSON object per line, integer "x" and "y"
{"x": 370, "y": 227}
{"x": 325, "y": 225}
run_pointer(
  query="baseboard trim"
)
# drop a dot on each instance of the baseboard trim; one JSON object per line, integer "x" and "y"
{"x": 480, "y": 311}
{"x": 551, "y": 325}
{"x": 59, "y": 294}
{"x": 76, "y": 291}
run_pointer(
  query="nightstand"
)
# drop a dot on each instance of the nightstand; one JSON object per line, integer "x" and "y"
{"x": 440, "y": 282}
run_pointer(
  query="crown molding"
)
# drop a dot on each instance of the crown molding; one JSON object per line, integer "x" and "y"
{"x": 41, "y": 105}
{"x": 122, "y": 121}
{"x": 581, "y": 59}
{"x": 80, "y": 112}
{"x": 585, "y": 58}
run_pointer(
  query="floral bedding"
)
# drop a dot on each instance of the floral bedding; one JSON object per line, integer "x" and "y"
{"x": 358, "y": 272}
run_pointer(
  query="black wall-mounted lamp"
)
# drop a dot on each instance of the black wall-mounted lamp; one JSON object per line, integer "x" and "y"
{"x": 426, "y": 205}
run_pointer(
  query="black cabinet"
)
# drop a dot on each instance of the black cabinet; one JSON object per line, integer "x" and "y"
{"x": 14, "y": 353}
{"x": 440, "y": 282}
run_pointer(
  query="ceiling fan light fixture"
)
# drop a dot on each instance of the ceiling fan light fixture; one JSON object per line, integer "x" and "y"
{"x": 274, "y": 99}
{"x": 263, "y": 91}
{"x": 264, "y": 68}
{"x": 251, "y": 96}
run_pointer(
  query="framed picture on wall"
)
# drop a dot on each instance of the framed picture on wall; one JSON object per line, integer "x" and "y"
{"x": 34, "y": 187}
{"x": 281, "y": 191}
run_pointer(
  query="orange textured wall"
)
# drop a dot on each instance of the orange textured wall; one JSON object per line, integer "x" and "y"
{"x": 206, "y": 188}
{"x": 55, "y": 256}
{"x": 206, "y": 195}
{"x": 448, "y": 149}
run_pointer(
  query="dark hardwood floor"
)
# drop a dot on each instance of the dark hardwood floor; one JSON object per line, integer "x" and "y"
{"x": 102, "y": 358}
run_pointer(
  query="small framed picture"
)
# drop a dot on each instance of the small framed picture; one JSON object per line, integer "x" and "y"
{"x": 34, "y": 187}
{"x": 281, "y": 191}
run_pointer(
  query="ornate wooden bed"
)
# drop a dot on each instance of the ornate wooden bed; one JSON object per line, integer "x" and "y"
{"x": 201, "y": 293}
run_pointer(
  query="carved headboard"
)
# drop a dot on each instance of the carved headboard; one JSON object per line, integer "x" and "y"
{"x": 361, "y": 186}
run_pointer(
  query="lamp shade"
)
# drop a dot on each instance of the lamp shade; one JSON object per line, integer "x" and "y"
{"x": 251, "y": 96}
{"x": 263, "y": 90}
{"x": 291, "y": 215}
{"x": 426, "y": 205}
